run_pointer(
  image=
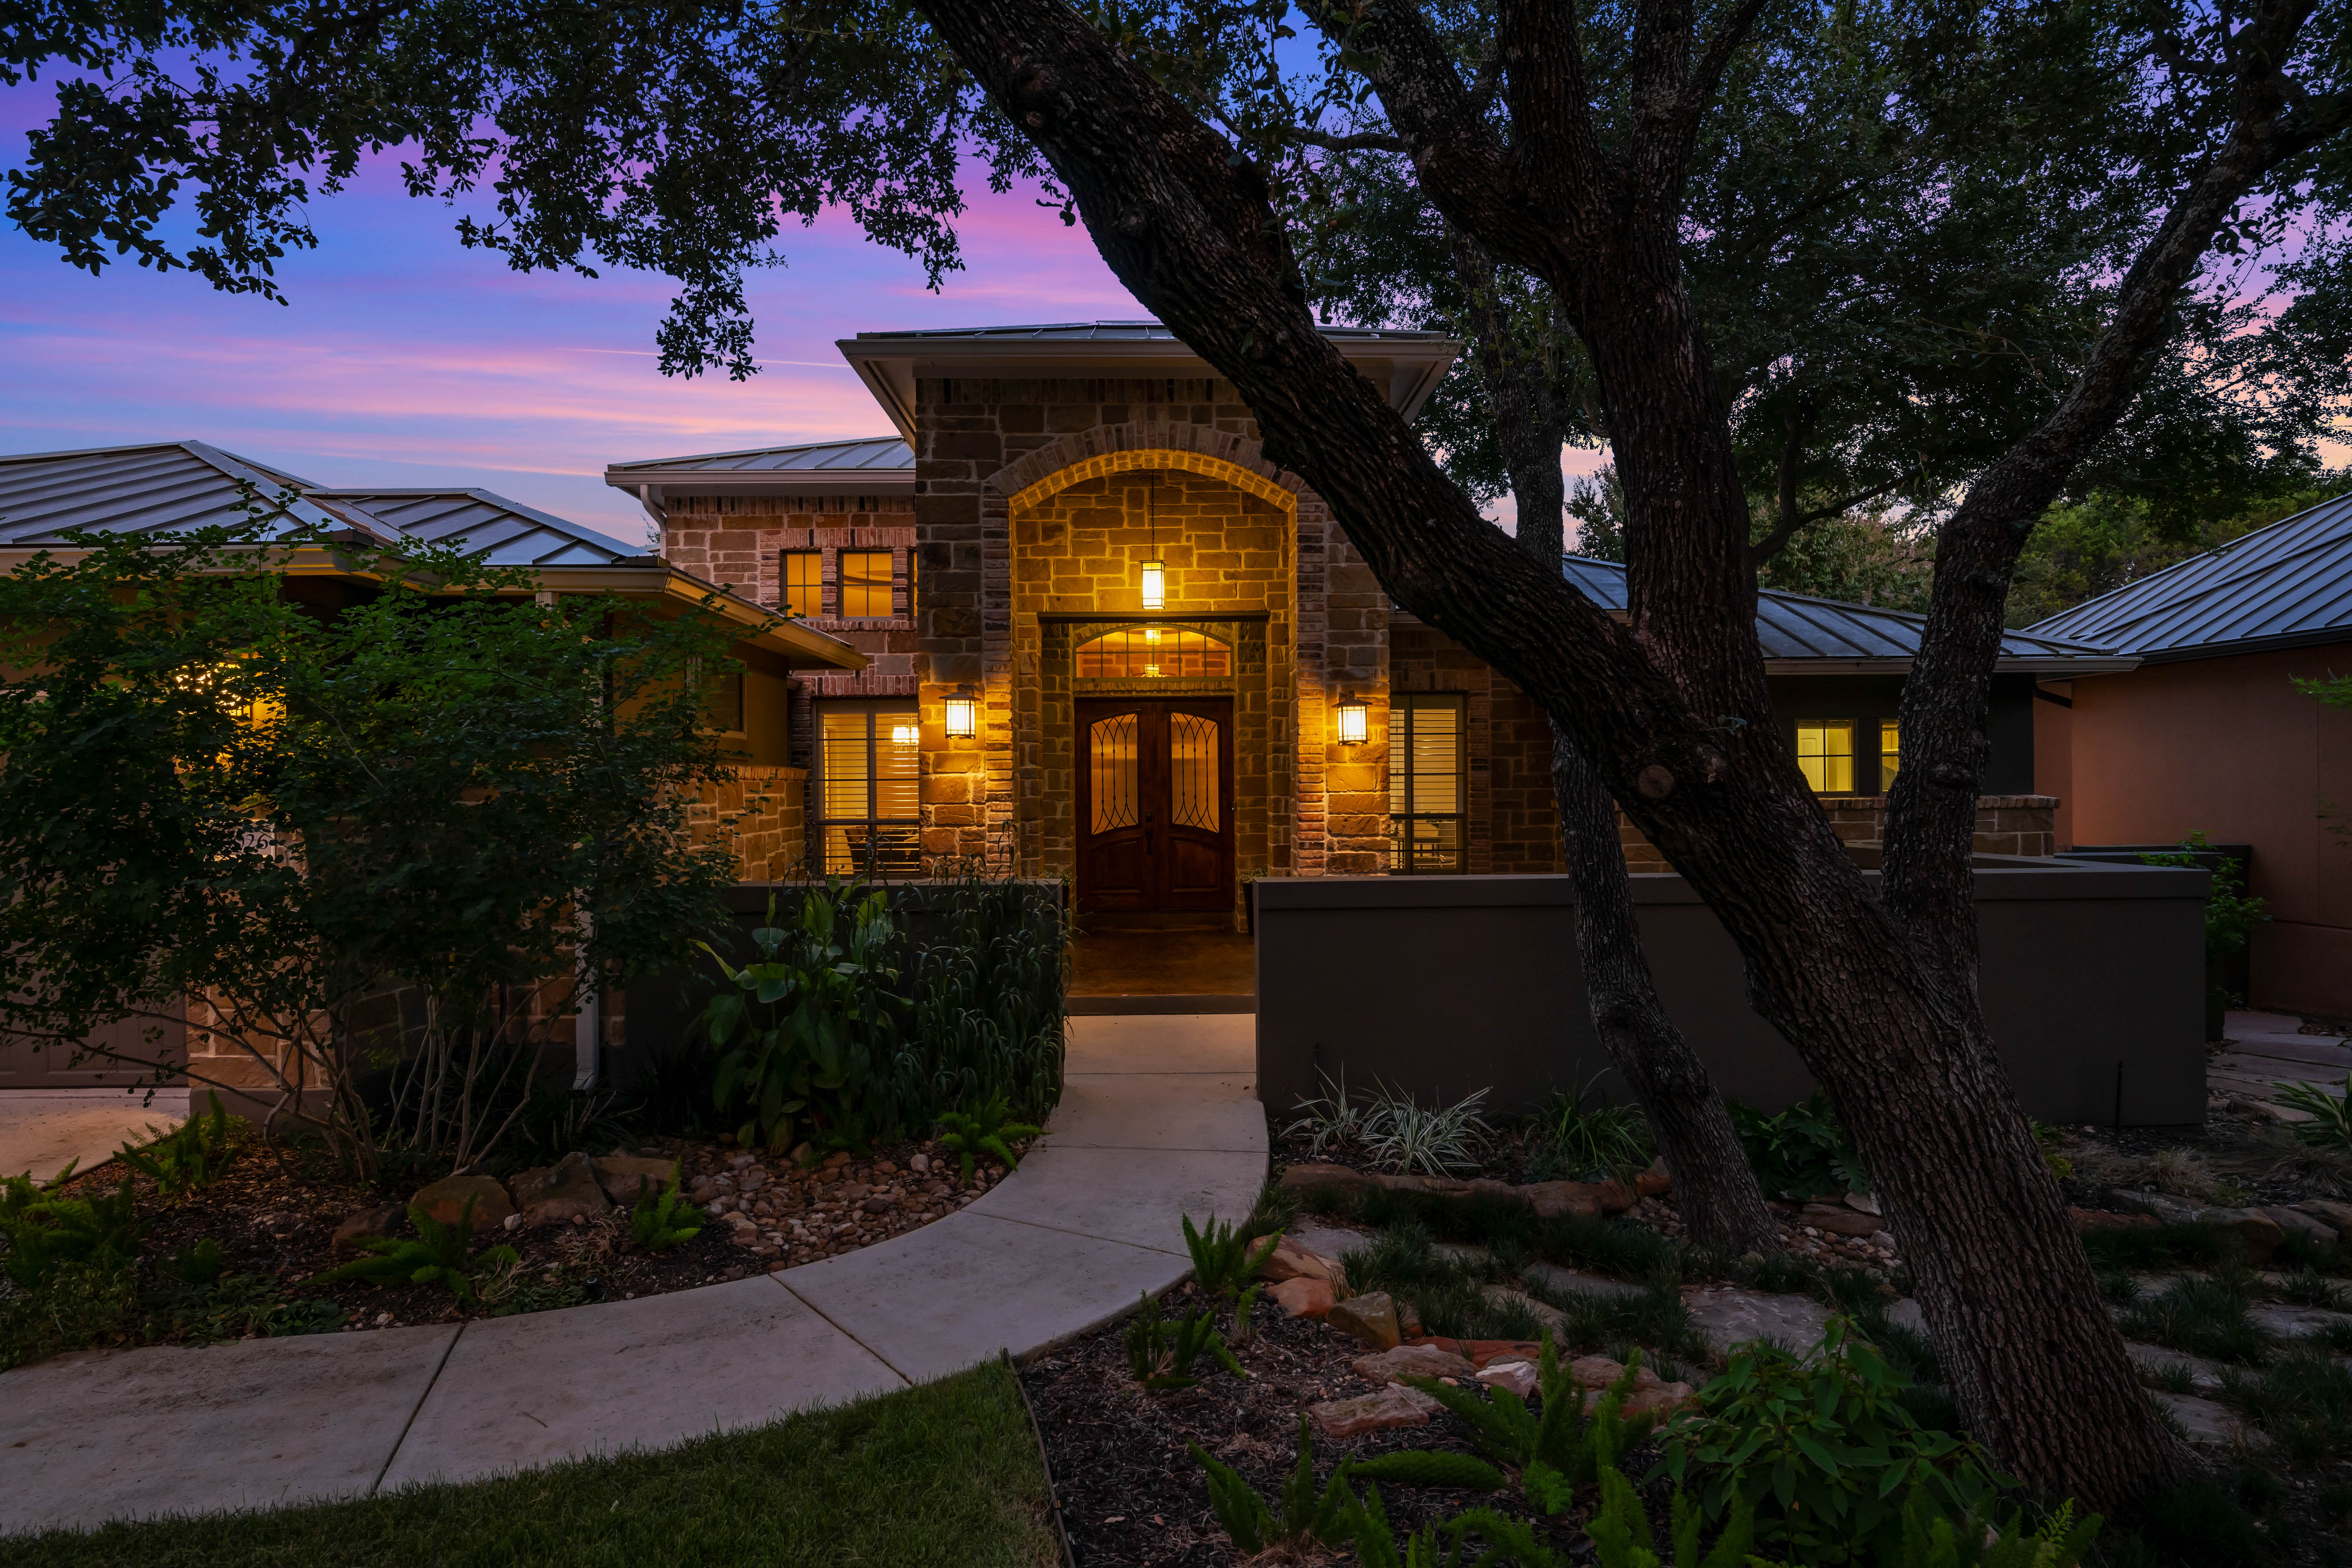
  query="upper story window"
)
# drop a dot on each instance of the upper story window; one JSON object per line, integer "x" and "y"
{"x": 1427, "y": 782}
{"x": 805, "y": 583}
{"x": 1154, "y": 653}
{"x": 866, "y": 585}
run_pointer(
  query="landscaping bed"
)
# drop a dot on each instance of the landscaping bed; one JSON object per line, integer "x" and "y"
{"x": 274, "y": 1222}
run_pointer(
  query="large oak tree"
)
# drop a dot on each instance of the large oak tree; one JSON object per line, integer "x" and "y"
{"x": 1562, "y": 144}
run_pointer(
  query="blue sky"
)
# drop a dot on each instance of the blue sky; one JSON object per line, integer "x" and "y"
{"x": 406, "y": 360}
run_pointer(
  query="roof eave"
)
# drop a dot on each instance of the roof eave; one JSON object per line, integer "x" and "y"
{"x": 2318, "y": 638}
{"x": 651, "y": 486}
{"x": 889, "y": 366}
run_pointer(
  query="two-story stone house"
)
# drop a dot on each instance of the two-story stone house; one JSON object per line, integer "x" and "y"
{"x": 1108, "y": 640}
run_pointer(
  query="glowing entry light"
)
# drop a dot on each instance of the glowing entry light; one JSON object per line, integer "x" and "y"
{"x": 1354, "y": 721}
{"x": 906, "y": 735}
{"x": 1155, "y": 585}
{"x": 963, "y": 714}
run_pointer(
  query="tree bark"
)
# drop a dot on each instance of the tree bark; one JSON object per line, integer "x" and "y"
{"x": 1716, "y": 1188}
{"x": 1671, "y": 713}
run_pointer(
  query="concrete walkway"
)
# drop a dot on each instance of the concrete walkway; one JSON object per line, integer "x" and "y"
{"x": 2267, "y": 1049}
{"x": 1158, "y": 1120}
{"x": 43, "y": 1131}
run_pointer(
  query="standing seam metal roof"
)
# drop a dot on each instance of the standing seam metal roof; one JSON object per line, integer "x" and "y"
{"x": 174, "y": 486}
{"x": 1130, "y": 331}
{"x": 2282, "y": 586}
{"x": 162, "y": 488}
{"x": 1797, "y": 626}
{"x": 879, "y": 454}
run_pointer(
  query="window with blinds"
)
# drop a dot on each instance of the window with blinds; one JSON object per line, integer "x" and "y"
{"x": 869, "y": 789}
{"x": 803, "y": 582}
{"x": 1890, "y": 752}
{"x": 1427, "y": 781}
{"x": 865, "y": 584}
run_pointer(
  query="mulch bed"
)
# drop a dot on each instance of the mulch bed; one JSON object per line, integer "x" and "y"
{"x": 1132, "y": 1497}
{"x": 274, "y": 1216}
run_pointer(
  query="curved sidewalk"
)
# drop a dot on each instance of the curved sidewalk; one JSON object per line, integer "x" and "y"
{"x": 1159, "y": 1119}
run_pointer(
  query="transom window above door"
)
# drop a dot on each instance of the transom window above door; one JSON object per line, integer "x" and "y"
{"x": 1154, "y": 653}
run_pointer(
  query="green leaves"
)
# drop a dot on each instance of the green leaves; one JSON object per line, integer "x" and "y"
{"x": 1161, "y": 1355}
{"x": 1822, "y": 1451}
{"x": 1801, "y": 1152}
{"x": 987, "y": 1128}
{"x": 812, "y": 1027}
{"x": 441, "y": 1255}
{"x": 190, "y": 1155}
{"x": 661, "y": 1220}
{"x": 47, "y": 1231}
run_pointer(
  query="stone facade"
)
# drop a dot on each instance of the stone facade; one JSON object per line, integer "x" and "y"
{"x": 762, "y": 817}
{"x": 1033, "y": 503}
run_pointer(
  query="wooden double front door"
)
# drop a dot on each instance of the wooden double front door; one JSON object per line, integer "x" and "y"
{"x": 1155, "y": 805}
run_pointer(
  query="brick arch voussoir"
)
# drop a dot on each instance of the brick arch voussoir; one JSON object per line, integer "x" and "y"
{"x": 1136, "y": 447}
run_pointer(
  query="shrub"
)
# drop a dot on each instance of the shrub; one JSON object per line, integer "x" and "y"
{"x": 1823, "y": 1449}
{"x": 1331, "y": 1120}
{"x": 45, "y": 1230}
{"x": 1224, "y": 1263}
{"x": 190, "y": 1155}
{"x": 1577, "y": 1134}
{"x": 1801, "y": 1152}
{"x": 1161, "y": 1355}
{"x": 1556, "y": 1450}
{"x": 440, "y": 1255}
{"x": 662, "y": 1219}
{"x": 1401, "y": 1134}
{"x": 2204, "y": 1317}
{"x": 987, "y": 1128}
{"x": 2330, "y": 1126}
{"x": 990, "y": 1008}
{"x": 805, "y": 1031}
{"x": 1326, "y": 1517}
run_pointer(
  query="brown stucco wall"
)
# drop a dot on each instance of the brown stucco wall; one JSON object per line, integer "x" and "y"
{"x": 2228, "y": 745}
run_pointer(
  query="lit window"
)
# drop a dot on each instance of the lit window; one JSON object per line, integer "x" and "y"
{"x": 1825, "y": 753}
{"x": 1425, "y": 781}
{"x": 1890, "y": 754}
{"x": 1154, "y": 653}
{"x": 870, "y": 790}
{"x": 803, "y": 583}
{"x": 865, "y": 584}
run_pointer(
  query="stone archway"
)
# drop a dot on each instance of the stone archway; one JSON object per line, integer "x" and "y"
{"x": 1027, "y": 769}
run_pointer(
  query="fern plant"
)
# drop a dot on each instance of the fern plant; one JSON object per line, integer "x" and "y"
{"x": 190, "y": 1155}
{"x": 986, "y": 1129}
{"x": 1326, "y": 1516}
{"x": 1558, "y": 1450}
{"x": 661, "y": 1218}
{"x": 45, "y": 1229}
{"x": 440, "y": 1255}
{"x": 1161, "y": 1355}
{"x": 1621, "y": 1537}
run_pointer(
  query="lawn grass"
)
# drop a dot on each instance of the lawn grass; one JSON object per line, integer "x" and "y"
{"x": 946, "y": 1473}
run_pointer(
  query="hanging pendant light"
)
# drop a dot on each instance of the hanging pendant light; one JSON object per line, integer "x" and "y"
{"x": 1155, "y": 571}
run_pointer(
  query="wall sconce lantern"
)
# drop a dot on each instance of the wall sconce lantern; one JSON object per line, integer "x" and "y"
{"x": 1354, "y": 720}
{"x": 963, "y": 714}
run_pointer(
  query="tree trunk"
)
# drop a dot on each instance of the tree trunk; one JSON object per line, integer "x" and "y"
{"x": 1714, "y": 1187}
{"x": 1672, "y": 712}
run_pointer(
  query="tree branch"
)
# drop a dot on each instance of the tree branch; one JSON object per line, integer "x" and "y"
{"x": 1364, "y": 142}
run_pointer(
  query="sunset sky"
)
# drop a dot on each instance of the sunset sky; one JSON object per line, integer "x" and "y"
{"x": 406, "y": 360}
